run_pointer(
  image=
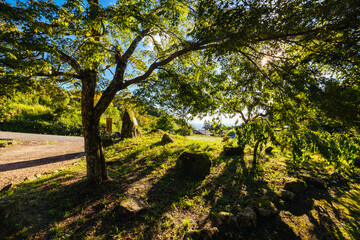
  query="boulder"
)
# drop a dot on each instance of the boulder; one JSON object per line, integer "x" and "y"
{"x": 130, "y": 127}
{"x": 316, "y": 182}
{"x": 132, "y": 205}
{"x": 268, "y": 150}
{"x": 226, "y": 219}
{"x": 295, "y": 186}
{"x": 194, "y": 164}
{"x": 287, "y": 195}
{"x": 247, "y": 218}
{"x": 3, "y": 144}
{"x": 233, "y": 151}
{"x": 265, "y": 208}
{"x": 167, "y": 139}
{"x": 202, "y": 234}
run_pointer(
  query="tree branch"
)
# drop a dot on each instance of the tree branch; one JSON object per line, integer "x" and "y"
{"x": 155, "y": 65}
{"x": 70, "y": 60}
{"x": 117, "y": 84}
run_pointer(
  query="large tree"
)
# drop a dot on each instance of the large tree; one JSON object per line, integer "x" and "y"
{"x": 101, "y": 47}
{"x": 114, "y": 47}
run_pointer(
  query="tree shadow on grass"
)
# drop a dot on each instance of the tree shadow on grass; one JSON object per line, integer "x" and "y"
{"x": 66, "y": 206}
{"x": 324, "y": 209}
{"x": 40, "y": 161}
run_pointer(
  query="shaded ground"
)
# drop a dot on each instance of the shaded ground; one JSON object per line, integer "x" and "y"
{"x": 64, "y": 206}
{"x": 26, "y": 159}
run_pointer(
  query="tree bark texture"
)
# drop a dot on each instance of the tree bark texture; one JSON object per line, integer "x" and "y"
{"x": 95, "y": 160}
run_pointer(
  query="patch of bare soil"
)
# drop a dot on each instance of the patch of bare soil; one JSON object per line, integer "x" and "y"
{"x": 26, "y": 159}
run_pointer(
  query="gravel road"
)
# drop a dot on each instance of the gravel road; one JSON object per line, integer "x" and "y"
{"x": 39, "y": 137}
{"x": 35, "y": 154}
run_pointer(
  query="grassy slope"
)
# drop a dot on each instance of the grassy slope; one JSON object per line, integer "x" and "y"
{"x": 63, "y": 206}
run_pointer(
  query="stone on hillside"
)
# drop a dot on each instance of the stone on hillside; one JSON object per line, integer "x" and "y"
{"x": 194, "y": 164}
{"x": 38, "y": 175}
{"x": 167, "y": 139}
{"x": 132, "y": 205}
{"x": 247, "y": 218}
{"x": 265, "y": 208}
{"x": 316, "y": 182}
{"x": 6, "y": 188}
{"x": 202, "y": 234}
{"x": 295, "y": 186}
{"x": 287, "y": 195}
{"x": 271, "y": 195}
{"x": 232, "y": 151}
{"x": 226, "y": 219}
{"x": 116, "y": 135}
{"x": 30, "y": 178}
{"x": 4, "y": 144}
{"x": 154, "y": 131}
{"x": 268, "y": 150}
{"x": 130, "y": 127}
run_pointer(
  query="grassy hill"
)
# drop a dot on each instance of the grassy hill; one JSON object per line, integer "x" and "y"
{"x": 62, "y": 205}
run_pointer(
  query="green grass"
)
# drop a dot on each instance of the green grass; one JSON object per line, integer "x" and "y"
{"x": 63, "y": 205}
{"x": 204, "y": 138}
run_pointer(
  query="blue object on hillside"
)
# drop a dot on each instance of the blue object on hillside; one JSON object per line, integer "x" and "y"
{"x": 232, "y": 135}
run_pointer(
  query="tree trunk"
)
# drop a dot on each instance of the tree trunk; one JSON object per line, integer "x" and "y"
{"x": 95, "y": 160}
{"x": 254, "y": 163}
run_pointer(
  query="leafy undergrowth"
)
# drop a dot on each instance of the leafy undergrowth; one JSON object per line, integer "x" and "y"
{"x": 63, "y": 205}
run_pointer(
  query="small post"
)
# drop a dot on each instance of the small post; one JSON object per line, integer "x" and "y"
{"x": 109, "y": 126}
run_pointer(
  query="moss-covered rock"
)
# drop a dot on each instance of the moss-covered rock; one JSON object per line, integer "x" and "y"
{"x": 202, "y": 234}
{"x": 247, "y": 218}
{"x": 132, "y": 205}
{"x": 167, "y": 139}
{"x": 265, "y": 208}
{"x": 226, "y": 219}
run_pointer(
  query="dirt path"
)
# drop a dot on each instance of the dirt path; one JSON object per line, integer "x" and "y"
{"x": 26, "y": 159}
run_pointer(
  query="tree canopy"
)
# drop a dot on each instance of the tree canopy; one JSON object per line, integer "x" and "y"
{"x": 203, "y": 54}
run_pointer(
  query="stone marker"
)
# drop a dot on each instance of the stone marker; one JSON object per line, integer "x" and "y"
{"x": 130, "y": 127}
